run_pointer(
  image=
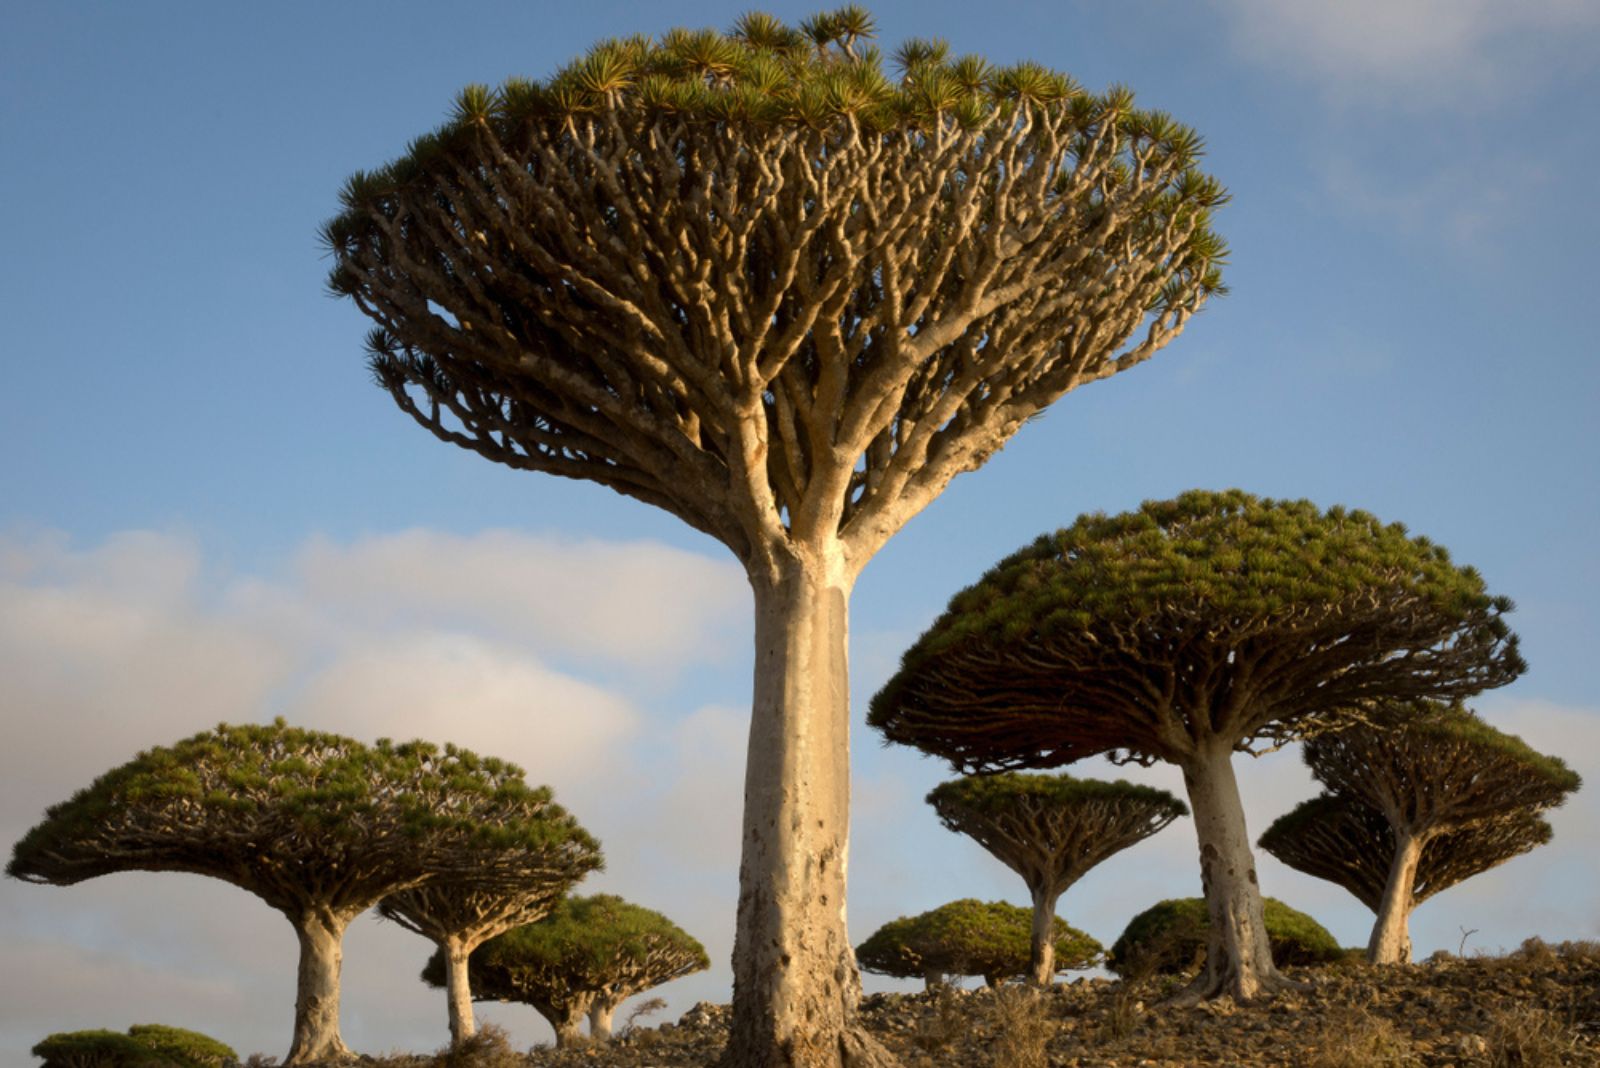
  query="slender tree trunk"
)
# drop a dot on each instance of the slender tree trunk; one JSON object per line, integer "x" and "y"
{"x": 458, "y": 990}
{"x": 1043, "y": 950}
{"x": 932, "y": 981}
{"x": 1391, "y": 937}
{"x": 316, "y": 999}
{"x": 1238, "y": 954}
{"x": 600, "y": 1014}
{"x": 795, "y": 983}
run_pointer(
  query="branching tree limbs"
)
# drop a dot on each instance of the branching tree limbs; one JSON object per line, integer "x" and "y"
{"x": 318, "y": 826}
{"x": 971, "y": 937}
{"x": 753, "y": 280}
{"x": 1183, "y": 632}
{"x": 1421, "y": 795}
{"x": 587, "y": 957}
{"x": 1051, "y": 830}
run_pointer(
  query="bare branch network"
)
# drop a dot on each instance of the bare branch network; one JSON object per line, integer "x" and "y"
{"x": 774, "y": 293}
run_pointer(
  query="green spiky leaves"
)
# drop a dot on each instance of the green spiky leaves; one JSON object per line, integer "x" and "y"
{"x": 1210, "y": 614}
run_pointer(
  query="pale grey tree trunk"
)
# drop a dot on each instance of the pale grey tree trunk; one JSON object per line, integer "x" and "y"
{"x": 795, "y": 984}
{"x": 1043, "y": 950}
{"x": 932, "y": 981}
{"x": 458, "y": 989}
{"x": 1391, "y": 936}
{"x": 1238, "y": 954}
{"x": 600, "y": 1015}
{"x": 316, "y": 999}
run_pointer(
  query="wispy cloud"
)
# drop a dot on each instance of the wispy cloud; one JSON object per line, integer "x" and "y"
{"x": 1415, "y": 54}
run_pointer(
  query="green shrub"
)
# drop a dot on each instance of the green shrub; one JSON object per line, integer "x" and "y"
{"x": 144, "y": 1046}
{"x": 969, "y": 937}
{"x": 185, "y": 1047}
{"x": 1171, "y": 937}
{"x": 97, "y": 1049}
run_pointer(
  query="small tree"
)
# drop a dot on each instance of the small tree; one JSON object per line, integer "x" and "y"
{"x": 318, "y": 826}
{"x": 971, "y": 937}
{"x": 1348, "y": 842}
{"x": 1442, "y": 782}
{"x": 585, "y": 958}
{"x": 1183, "y": 632}
{"x": 1172, "y": 936}
{"x": 752, "y": 280}
{"x": 509, "y": 888}
{"x": 1051, "y": 829}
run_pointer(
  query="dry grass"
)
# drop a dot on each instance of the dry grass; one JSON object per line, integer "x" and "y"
{"x": 1528, "y": 1036}
{"x": 1021, "y": 1028}
{"x": 1356, "y": 1038}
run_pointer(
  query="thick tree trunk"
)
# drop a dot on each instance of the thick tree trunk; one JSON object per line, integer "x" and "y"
{"x": 458, "y": 990}
{"x": 1238, "y": 954}
{"x": 1391, "y": 936}
{"x": 1043, "y": 950}
{"x": 566, "y": 1022}
{"x": 600, "y": 1014}
{"x": 795, "y": 983}
{"x": 316, "y": 999}
{"x": 932, "y": 981}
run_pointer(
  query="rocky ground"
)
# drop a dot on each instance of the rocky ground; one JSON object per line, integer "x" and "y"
{"x": 1536, "y": 1008}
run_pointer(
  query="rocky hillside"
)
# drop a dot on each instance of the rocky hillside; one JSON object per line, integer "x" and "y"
{"x": 1536, "y": 1008}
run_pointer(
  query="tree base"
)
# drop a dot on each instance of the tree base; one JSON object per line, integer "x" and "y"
{"x": 335, "y": 1052}
{"x": 1245, "y": 989}
{"x": 852, "y": 1048}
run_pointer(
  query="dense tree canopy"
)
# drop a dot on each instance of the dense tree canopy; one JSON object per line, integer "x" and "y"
{"x": 1211, "y": 615}
{"x": 319, "y": 826}
{"x": 786, "y": 294}
{"x": 1051, "y": 830}
{"x": 588, "y": 952}
{"x": 1348, "y": 842}
{"x": 1170, "y": 936}
{"x": 620, "y": 272}
{"x": 970, "y": 937}
{"x": 1454, "y": 796}
{"x": 1187, "y": 630}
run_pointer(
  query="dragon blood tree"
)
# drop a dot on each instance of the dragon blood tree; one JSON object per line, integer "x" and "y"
{"x": 509, "y": 887}
{"x": 752, "y": 279}
{"x": 971, "y": 937}
{"x": 1182, "y": 632}
{"x": 1429, "y": 794}
{"x": 586, "y": 957}
{"x": 318, "y": 826}
{"x": 1051, "y": 829}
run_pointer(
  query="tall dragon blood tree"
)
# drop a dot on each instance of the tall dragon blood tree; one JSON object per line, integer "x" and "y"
{"x": 1051, "y": 830}
{"x": 506, "y": 888}
{"x": 319, "y": 826}
{"x": 1184, "y": 632}
{"x": 1420, "y": 796}
{"x": 751, "y": 279}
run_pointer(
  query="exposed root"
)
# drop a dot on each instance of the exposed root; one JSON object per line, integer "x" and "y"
{"x": 1208, "y": 986}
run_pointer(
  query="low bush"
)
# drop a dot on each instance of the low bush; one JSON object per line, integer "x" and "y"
{"x": 181, "y": 1046}
{"x": 144, "y": 1046}
{"x": 1170, "y": 936}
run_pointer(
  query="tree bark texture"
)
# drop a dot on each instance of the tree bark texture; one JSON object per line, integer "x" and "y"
{"x": 1391, "y": 935}
{"x": 600, "y": 1016}
{"x": 796, "y": 985}
{"x": 1044, "y": 928}
{"x": 1238, "y": 954}
{"x": 316, "y": 1001}
{"x": 458, "y": 989}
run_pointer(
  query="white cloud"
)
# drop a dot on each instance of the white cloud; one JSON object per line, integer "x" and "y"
{"x": 637, "y": 601}
{"x": 1419, "y": 54}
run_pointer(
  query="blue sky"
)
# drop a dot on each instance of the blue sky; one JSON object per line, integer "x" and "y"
{"x": 211, "y": 513}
